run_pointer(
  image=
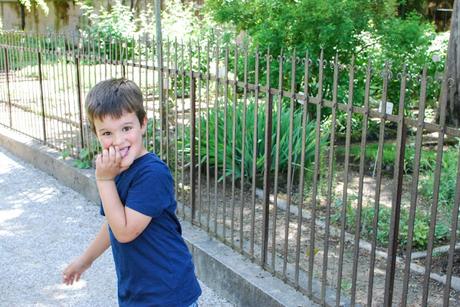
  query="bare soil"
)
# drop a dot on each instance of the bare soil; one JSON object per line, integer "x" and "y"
{"x": 291, "y": 238}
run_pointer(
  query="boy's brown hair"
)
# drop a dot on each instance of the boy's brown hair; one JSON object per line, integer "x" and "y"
{"x": 112, "y": 97}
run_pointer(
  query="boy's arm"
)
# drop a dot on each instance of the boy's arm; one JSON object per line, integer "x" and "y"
{"x": 98, "y": 246}
{"x": 126, "y": 223}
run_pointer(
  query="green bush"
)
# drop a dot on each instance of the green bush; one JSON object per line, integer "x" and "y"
{"x": 448, "y": 181}
{"x": 420, "y": 232}
{"x": 366, "y": 29}
{"x": 110, "y": 32}
{"x": 427, "y": 158}
{"x": 406, "y": 41}
{"x": 238, "y": 115}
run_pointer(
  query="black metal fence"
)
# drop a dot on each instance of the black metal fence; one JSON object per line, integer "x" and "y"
{"x": 292, "y": 162}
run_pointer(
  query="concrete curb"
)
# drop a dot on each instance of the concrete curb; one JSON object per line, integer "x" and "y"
{"x": 228, "y": 273}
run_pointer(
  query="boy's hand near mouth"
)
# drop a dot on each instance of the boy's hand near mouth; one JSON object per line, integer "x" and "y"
{"x": 108, "y": 164}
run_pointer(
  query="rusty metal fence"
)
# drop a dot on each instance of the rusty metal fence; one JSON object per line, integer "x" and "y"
{"x": 270, "y": 156}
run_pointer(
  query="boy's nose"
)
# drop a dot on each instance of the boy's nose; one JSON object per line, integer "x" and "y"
{"x": 117, "y": 139}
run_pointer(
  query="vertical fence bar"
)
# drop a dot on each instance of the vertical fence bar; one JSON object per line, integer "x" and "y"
{"x": 397, "y": 193}
{"x": 2, "y": 68}
{"x": 167, "y": 84}
{"x": 267, "y": 164}
{"x": 378, "y": 165}
{"x": 254, "y": 155}
{"x": 437, "y": 178}
{"x": 176, "y": 120}
{"x": 79, "y": 97}
{"x": 68, "y": 95}
{"x": 343, "y": 213}
{"x": 453, "y": 239}
{"x": 111, "y": 56}
{"x": 58, "y": 107}
{"x": 146, "y": 104}
{"x": 64, "y": 102}
{"x": 235, "y": 93}
{"x": 7, "y": 75}
{"x": 216, "y": 140}
{"x": 302, "y": 169}
{"x": 154, "y": 147}
{"x": 330, "y": 180}
{"x": 183, "y": 165}
{"x": 95, "y": 57}
{"x": 192, "y": 144}
{"x": 200, "y": 85}
{"x": 224, "y": 162}
{"x": 42, "y": 100}
{"x": 161, "y": 88}
{"x": 289, "y": 165}
{"x": 76, "y": 115}
{"x": 279, "y": 107}
{"x": 243, "y": 144}
{"x": 414, "y": 188}
{"x": 316, "y": 174}
{"x": 208, "y": 171}
{"x": 183, "y": 75}
{"x": 116, "y": 55}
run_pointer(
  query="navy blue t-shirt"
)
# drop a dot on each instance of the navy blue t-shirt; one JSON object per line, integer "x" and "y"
{"x": 156, "y": 268}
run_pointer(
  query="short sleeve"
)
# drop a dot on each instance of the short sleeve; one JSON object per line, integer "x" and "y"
{"x": 150, "y": 192}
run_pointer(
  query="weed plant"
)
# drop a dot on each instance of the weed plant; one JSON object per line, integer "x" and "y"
{"x": 238, "y": 114}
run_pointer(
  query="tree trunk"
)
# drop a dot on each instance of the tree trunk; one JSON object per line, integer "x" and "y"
{"x": 453, "y": 70}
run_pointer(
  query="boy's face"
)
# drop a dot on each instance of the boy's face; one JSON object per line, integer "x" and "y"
{"x": 125, "y": 134}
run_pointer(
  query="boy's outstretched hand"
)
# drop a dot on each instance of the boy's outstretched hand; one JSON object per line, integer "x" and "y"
{"x": 74, "y": 270}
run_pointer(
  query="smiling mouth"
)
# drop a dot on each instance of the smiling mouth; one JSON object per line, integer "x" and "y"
{"x": 124, "y": 152}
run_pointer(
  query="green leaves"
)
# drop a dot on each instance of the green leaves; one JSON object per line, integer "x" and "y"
{"x": 247, "y": 136}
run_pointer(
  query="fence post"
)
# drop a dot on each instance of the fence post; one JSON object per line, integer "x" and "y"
{"x": 396, "y": 204}
{"x": 42, "y": 100}
{"x": 7, "y": 70}
{"x": 267, "y": 164}
{"x": 160, "y": 73}
{"x": 192, "y": 144}
{"x": 80, "y": 111}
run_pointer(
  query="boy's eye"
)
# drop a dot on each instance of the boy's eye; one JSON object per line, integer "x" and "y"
{"x": 106, "y": 133}
{"x": 127, "y": 128}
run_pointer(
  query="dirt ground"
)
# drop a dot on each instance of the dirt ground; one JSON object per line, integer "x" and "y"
{"x": 282, "y": 239}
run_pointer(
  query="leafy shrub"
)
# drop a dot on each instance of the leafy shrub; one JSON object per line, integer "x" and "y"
{"x": 448, "y": 181}
{"x": 366, "y": 29}
{"x": 427, "y": 158}
{"x": 406, "y": 41}
{"x": 248, "y": 139}
{"x": 420, "y": 232}
{"x": 107, "y": 28}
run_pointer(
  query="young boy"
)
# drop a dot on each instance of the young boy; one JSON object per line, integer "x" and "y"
{"x": 153, "y": 264}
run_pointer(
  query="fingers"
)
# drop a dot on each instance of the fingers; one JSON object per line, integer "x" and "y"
{"x": 117, "y": 155}
{"x": 112, "y": 153}
{"x": 70, "y": 278}
{"x": 105, "y": 156}
{"x": 98, "y": 159}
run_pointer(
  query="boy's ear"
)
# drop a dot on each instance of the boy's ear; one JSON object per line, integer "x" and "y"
{"x": 144, "y": 124}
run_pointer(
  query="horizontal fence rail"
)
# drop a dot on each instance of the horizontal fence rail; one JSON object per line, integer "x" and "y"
{"x": 342, "y": 179}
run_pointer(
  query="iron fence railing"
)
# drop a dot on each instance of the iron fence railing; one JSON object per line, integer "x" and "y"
{"x": 271, "y": 156}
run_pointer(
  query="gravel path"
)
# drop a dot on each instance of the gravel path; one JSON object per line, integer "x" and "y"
{"x": 43, "y": 225}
